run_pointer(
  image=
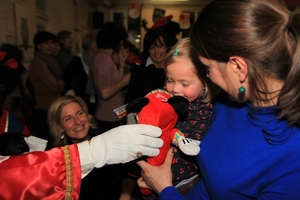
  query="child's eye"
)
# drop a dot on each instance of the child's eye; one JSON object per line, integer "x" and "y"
{"x": 169, "y": 80}
{"x": 185, "y": 85}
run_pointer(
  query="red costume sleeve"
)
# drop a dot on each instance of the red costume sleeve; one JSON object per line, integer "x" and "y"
{"x": 53, "y": 174}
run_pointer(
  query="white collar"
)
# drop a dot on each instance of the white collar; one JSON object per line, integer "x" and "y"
{"x": 149, "y": 61}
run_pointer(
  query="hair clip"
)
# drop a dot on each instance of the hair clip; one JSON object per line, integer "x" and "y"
{"x": 175, "y": 52}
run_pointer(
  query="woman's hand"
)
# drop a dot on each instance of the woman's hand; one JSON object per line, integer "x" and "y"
{"x": 156, "y": 177}
{"x": 126, "y": 79}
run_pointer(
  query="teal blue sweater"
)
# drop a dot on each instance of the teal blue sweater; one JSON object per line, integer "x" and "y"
{"x": 247, "y": 154}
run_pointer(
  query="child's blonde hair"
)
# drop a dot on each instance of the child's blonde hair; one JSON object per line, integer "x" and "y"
{"x": 184, "y": 49}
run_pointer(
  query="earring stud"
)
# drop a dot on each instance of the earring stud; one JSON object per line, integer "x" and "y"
{"x": 242, "y": 90}
{"x": 175, "y": 52}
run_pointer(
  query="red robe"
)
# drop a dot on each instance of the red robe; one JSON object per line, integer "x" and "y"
{"x": 54, "y": 174}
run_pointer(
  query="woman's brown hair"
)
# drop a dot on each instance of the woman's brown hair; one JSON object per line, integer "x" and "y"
{"x": 264, "y": 33}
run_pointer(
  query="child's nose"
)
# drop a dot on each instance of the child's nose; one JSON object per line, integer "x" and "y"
{"x": 175, "y": 89}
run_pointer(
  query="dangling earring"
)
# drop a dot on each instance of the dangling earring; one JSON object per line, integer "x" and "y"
{"x": 242, "y": 90}
{"x": 62, "y": 136}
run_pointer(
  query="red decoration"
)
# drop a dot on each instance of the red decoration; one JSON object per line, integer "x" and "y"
{"x": 132, "y": 58}
{"x": 11, "y": 63}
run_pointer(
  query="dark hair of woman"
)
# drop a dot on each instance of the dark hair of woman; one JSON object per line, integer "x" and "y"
{"x": 110, "y": 36}
{"x": 265, "y": 36}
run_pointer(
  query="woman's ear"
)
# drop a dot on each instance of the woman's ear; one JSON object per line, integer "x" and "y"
{"x": 240, "y": 66}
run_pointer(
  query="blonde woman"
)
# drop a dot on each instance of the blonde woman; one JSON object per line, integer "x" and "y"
{"x": 69, "y": 121}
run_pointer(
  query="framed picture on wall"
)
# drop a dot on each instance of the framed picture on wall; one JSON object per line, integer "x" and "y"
{"x": 24, "y": 26}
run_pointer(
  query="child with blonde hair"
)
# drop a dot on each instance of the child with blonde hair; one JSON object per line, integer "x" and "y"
{"x": 184, "y": 79}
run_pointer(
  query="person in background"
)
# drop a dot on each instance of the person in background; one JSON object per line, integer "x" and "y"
{"x": 251, "y": 49}
{"x": 11, "y": 71}
{"x": 108, "y": 78}
{"x": 45, "y": 78}
{"x": 70, "y": 123}
{"x": 126, "y": 47}
{"x": 150, "y": 76}
{"x": 57, "y": 47}
{"x": 65, "y": 55}
{"x": 77, "y": 74}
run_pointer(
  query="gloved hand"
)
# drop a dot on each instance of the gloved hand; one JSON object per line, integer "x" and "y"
{"x": 189, "y": 146}
{"x": 125, "y": 143}
{"x": 35, "y": 143}
{"x": 12, "y": 143}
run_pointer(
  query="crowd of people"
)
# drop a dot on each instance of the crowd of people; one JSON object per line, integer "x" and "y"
{"x": 239, "y": 70}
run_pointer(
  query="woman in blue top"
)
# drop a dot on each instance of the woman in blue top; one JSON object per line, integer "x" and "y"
{"x": 251, "y": 49}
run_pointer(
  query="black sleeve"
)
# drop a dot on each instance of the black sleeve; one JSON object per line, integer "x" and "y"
{"x": 135, "y": 86}
{"x": 69, "y": 75}
{"x": 12, "y": 143}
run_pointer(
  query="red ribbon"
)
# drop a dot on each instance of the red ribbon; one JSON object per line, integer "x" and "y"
{"x": 11, "y": 63}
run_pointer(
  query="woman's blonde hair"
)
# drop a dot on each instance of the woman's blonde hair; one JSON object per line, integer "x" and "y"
{"x": 54, "y": 113}
{"x": 184, "y": 49}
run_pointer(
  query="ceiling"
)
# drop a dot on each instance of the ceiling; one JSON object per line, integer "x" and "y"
{"x": 152, "y": 2}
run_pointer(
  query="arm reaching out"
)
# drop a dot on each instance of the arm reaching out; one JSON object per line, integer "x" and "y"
{"x": 125, "y": 143}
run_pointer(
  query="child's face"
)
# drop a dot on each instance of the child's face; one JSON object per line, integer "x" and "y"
{"x": 182, "y": 80}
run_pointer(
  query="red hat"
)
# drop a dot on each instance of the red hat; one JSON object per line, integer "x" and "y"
{"x": 162, "y": 21}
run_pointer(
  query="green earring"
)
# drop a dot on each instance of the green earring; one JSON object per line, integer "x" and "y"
{"x": 242, "y": 90}
{"x": 175, "y": 52}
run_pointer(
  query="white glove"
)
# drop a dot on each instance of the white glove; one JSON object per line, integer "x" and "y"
{"x": 189, "y": 146}
{"x": 125, "y": 143}
{"x": 35, "y": 143}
